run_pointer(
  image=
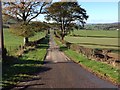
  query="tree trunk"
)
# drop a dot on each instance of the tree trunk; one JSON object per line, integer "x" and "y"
{"x": 1, "y": 35}
{"x": 62, "y": 36}
{"x": 26, "y": 40}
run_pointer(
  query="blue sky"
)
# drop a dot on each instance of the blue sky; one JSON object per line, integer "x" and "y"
{"x": 99, "y": 12}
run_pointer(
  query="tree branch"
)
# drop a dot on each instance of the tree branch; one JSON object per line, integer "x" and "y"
{"x": 40, "y": 11}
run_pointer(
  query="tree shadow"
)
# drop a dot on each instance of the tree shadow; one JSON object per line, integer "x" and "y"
{"x": 63, "y": 48}
{"x": 47, "y": 62}
{"x": 43, "y": 46}
{"x": 19, "y": 70}
{"x": 43, "y": 43}
{"x": 27, "y": 86}
{"x": 15, "y": 70}
{"x": 44, "y": 40}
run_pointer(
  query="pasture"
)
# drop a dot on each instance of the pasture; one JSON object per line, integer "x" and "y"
{"x": 96, "y": 33}
{"x": 12, "y": 41}
{"x": 95, "y": 38}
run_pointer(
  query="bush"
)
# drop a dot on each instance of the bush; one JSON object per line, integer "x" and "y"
{"x": 68, "y": 44}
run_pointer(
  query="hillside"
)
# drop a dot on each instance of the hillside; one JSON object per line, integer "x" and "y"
{"x": 104, "y": 26}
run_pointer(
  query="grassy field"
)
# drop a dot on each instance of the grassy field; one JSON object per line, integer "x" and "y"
{"x": 95, "y": 38}
{"x": 99, "y": 68}
{"x": 101, "y": 33}
{"x": 24, "y": 68}
{"x": 94, "y": 42}
{"x": 12, "y": 42}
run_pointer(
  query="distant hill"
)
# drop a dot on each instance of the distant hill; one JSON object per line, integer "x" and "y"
{"x": 104, "y": 26}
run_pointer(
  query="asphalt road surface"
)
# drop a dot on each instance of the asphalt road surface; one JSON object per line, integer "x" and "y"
{"x": 64, "y": 73}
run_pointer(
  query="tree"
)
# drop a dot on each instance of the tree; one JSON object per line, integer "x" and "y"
{"x": 25, "y": 10}
{"x": 24, "y": 30}
{"x": 40, "y": 26}
{"x": 1, "y": 35}
{"x": 28, "y": 30}
{"x": 66, "y": 14}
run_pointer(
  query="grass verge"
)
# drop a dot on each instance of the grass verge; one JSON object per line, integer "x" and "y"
{"x": 25, "y": 68}
{"x": 100, "y": 69}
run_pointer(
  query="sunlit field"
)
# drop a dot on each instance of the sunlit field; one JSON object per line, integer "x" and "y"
{"x": 94, "y": 38}
{"x": 92, "y": 33}
{"x": 12, "y": 41}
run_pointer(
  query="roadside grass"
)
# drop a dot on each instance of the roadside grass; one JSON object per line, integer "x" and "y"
{"x": 102, "y": 69}
{"x": 58, "y": 42}
{"x": 25, "y": 68}
{"x": 12, "y": 42}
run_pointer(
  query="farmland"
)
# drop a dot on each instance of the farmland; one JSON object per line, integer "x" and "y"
{"x": 96, "y": 33}
{"x": 94, "y": 38}
{"x": 12, "y": 42}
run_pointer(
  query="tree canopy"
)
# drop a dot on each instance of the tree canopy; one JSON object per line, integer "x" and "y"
{"x": 66, "y": 14}
{"x": 25, "y": 10}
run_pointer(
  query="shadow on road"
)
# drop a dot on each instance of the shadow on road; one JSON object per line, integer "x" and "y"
{"x": 27, "y": 86}
{"x": 63, "y": 48}
{"x": 21, "y": 70}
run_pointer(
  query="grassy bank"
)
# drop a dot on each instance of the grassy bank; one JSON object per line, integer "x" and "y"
{"x": 24, "y": 68}
{"x": 99, "y": 68}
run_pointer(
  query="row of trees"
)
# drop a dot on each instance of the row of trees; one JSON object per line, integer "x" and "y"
{"x": 65, "y": 15}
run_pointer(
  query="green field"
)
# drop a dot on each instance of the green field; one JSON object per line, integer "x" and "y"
{"x": 12, "y": 42}
{"x": 95, "y": 39}
{"x": 101, "y": 33}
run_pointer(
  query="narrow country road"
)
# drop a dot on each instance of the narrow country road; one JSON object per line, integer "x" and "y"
{"x": 64, "y": 73}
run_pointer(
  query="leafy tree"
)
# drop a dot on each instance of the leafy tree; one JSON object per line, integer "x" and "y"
{"x": 66, "y": 14}
{"x": 24, "y": 30}
{"x": 40, "y": 26}
{"x": 25, "y": 11}
{"x": 28, "y": 30}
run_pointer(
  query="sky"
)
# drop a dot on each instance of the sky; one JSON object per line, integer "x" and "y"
{"x": 99, "y": 12}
